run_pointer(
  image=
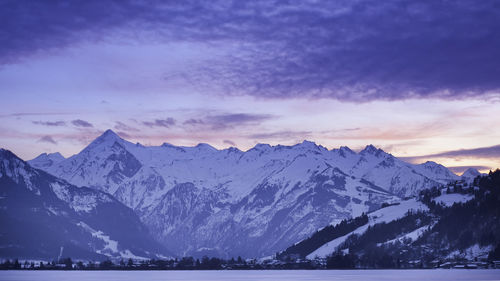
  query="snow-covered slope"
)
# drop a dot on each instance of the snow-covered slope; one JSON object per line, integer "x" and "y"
{"x": 383, "y": 215}
{"x": 450, "y": 199}
{"x": 42, "y": 216}
{"x": 200, "y": 200}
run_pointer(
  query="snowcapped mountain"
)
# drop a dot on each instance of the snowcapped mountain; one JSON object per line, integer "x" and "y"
{"x": 45, "y": 160}
{"x": 200, "y": 200}
{"x": 470, "y": 174}
{"x": 45, "y": 217}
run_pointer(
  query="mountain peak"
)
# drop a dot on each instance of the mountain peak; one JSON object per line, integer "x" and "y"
{"x": 46, "y": 160}
{"x": 371, "y": 149}
{"x": 7, "y": 159}
{"x": 107, "y": 137}
{"x": 262, "y": 147}
{"x": 53, "y": 156}
{"x": 432, "y": 165}
{"x": 471, "y": 173}
{"x": 307, "y": 144}
{"x": 109, "y": 134}
{"x": 6, "y": 154}
{"x": 205, "y": 146}
{"x": 346, "y": 149}
{"x": 166, "y": 144}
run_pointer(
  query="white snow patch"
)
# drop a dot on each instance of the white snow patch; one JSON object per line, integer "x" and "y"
{"x": 412, "y": 236}
{"x": 450, "y": 199}
{"x": 110, "y": 246}
{"x": 61, "y": 191}
{"x": 471, "y": 253}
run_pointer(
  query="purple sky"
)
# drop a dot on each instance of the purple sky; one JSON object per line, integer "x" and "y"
{"x": 419, "y": 79}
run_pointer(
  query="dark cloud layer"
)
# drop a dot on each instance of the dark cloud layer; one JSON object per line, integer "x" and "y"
{"x": 227, "y": 121}
{"x": 231, "y": 120}
{"x": 348, "y": 50}
{"x": 491, "y": 152}
{"x": 193, "y": 122}
{"x": 47, "y": 139}
{"x": 230, "y": 142}
{"x": 50, "y": 124}
{"x": 165, "y": 123}
{"x": 124, "y": 127}
{"x": 481, "y": 152}
{"x": 82, "y": 123}
{"x": 123, "y": 135}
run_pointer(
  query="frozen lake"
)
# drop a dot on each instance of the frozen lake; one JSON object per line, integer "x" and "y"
{"x": 288, "y": 275}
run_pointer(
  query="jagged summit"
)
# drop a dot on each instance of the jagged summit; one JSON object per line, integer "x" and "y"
{"x": 369, "y": 149}
{"x": 53, "y": 156}
{"x": 308, "y": 145}
{"x": 47, "y": 160}
{"x": 104, "y": 141}
{"x": 108, "y": 135}
{"x": 372, "y": 150}
{"x": 346, "y": 149}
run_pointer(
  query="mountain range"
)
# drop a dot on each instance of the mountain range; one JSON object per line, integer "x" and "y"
{"x": 204, "y": 201}
{"x": 44, "y": 217}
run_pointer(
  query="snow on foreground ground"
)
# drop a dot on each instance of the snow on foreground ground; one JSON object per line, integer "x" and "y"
{"x": 288, "y": 275}
{"x": 386, "y": 215}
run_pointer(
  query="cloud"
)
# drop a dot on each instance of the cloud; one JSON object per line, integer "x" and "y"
{"x": 281, "y": 135}
{"x": 491, "y": 152}
{"x": 49, "y": 123}
{"x": 82, "y": 123}
{"x": 123, "y": 135}
{"x": 225, "y": 121}
{"x": 47, "y": 139}
{"x": 231, "y": 143}
{"x": 166, "y": 123}
{"x": 193, "y": 122}
{"x": 22, "y": 114}
{"x": 124, "y": 127}
{"x": 346, "y": 50}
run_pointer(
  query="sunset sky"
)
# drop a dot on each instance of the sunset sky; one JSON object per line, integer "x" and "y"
{"x": 419, "y": 79}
